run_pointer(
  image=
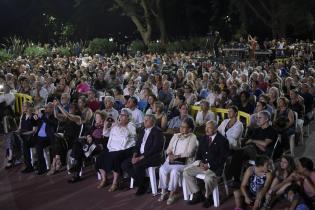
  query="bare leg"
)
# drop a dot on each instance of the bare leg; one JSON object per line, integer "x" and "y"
{"x": 114, "y": 186}
{"x": 237, "y": 198}
{"x": 58, "y": 164}
{"x": 103, "y": 179}
{"x": 52, "y": 167}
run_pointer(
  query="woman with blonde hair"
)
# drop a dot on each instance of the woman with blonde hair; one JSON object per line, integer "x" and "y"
{"x": 160, "y": 115}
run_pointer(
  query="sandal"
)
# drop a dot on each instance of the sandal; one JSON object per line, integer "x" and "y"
{"x": 113, "y": 188}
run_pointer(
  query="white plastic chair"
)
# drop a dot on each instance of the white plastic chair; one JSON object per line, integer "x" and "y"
{"x": 151, "y": 173}
{"x": 215, "y": 192}
{"x": 298, "y": 126}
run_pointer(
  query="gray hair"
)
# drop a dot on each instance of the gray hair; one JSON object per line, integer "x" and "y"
{"x": 110, "y": 98}
{"x": 266, "y": 114}
{"x": 127, "y": 112}
{"x": 214, "y": 123}
{"x": 152, "y": 117}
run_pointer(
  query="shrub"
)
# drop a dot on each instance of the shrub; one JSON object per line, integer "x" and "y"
{"x": 35, "y": 51}
{"x": 155, "y": 47}
{"x": 101, "y": 46}
{"x": 15, "y": 45}
{"x": 174, "y": 47}
{"x": 136, "y": 46}
{"x": 63, "y": 51}
{"x": 4, "y": 55}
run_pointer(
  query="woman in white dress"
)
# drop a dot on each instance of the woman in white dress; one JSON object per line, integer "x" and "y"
{"x": 181, "y": 151}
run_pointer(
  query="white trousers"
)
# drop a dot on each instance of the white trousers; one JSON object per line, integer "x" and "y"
{"x": 170, "y": 176}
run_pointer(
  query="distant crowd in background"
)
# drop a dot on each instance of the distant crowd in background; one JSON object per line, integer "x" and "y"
{"x": 126, "y": 113}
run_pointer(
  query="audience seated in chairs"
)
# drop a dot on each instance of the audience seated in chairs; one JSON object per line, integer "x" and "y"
{"x": 280, "y": 182}
{"x": 175, "y": 123}
{"x": 120, "y": 147}
{"x": 151, "y": 100}
{"x": 297, "y": 106}
{"x": 147, "y": 153}
{"x": 20, "y": 140}
{"x": 137, "y": 115}
{"x": 160, "y": 115}
{"x": 284, "y": 124}
{"x": 47, "y": 126}
{"x": 109, "y": 108}
{"x": 69, "y": 125}
{"x": 86, "y": 146}
{"x": 212, "y": 153}
{"x": 255, "y": 184}
{"x": 260, "y": 142}
{"x": 304, "y": 176}
{"x": 232, "y": 128}
{"x": 180, "y": 152}
{"x": 260, "y": 106}
{"x": 204, "y": 115}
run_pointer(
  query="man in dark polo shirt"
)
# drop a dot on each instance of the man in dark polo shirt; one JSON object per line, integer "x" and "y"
{"x": 263, "y": 137}
{"x": 261, "y": 142}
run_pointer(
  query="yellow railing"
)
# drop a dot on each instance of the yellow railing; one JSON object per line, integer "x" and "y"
{"x": 222, "y": 113}
{"x": 20, "y": 98}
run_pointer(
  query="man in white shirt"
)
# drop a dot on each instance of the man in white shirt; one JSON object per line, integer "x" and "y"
{"x": 137, "y": 115}
{"x": 147, "y": 153}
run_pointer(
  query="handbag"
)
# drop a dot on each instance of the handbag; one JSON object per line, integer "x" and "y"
{"x": 178, "y": 161}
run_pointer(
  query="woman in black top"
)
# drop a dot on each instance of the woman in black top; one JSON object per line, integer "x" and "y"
{"x": 69, "y": 126}
{"x": 13, "y": 145}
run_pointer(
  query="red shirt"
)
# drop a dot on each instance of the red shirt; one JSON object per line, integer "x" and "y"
{"x": 94, "y": 105}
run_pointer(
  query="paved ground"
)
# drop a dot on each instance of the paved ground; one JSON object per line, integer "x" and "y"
{"x": 31, "y": 192}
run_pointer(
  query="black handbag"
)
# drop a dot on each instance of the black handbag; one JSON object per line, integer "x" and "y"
{"x": 178, "y": 161}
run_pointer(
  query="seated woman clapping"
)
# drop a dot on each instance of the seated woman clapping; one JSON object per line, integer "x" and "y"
{"x": 181, "y": 151}
{"x": 120, "y": 147}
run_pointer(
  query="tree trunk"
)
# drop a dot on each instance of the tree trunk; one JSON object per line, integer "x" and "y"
{"x": 160, "y": 19}
{"x": 145, "y": 33}
{"x": 144, "y": 28}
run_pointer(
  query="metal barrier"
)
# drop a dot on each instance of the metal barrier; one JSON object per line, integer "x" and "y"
{"x": 222, "y": 113}
{"x": 20, "y": 98}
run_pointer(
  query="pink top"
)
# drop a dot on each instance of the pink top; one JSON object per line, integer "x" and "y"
{"x": 307, "y": 189}
{"x": 83, "y": 88}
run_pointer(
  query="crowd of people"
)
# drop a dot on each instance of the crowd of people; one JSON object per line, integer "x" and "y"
{"x": 125, "y": 114}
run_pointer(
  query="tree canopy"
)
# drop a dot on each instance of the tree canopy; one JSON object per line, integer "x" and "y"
{"x": 61, "y": 20}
